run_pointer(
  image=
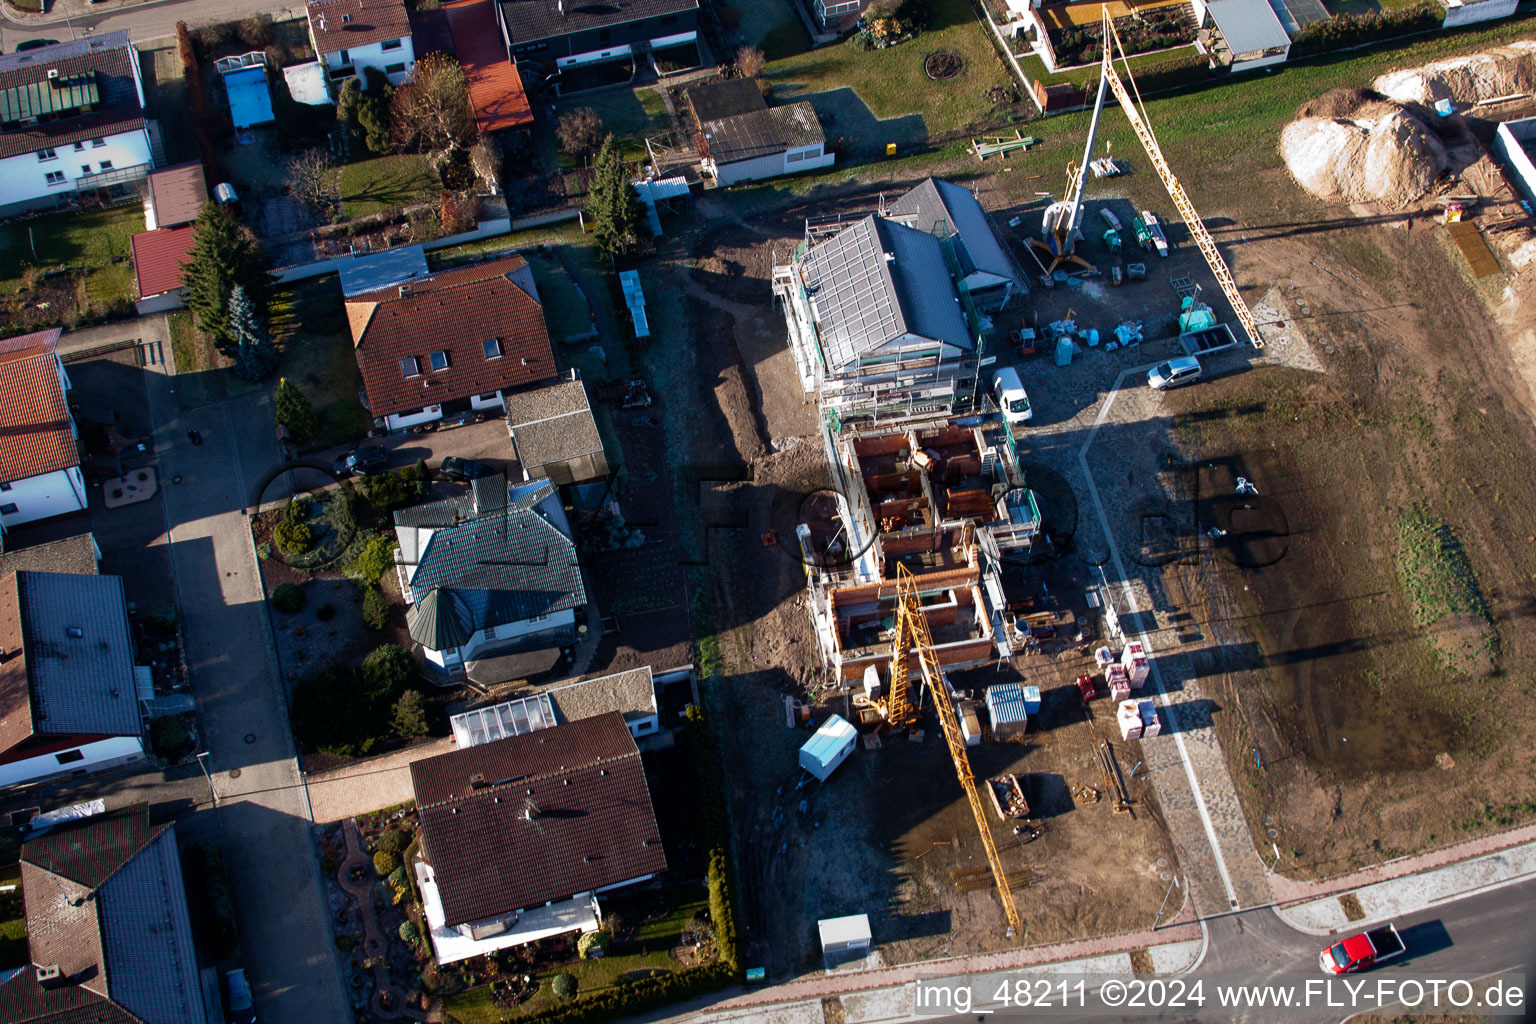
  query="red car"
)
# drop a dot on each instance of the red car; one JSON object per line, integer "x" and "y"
{"x": 1362, "y": 952}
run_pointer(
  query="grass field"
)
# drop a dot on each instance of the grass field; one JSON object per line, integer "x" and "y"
{"x": 892, "y": 82}
{"x": 1034, "y": 67}
{"x": 310, "y": 321}
{"x": 632, "y": 115}
{"x": 96, "y": 242}
{"x": 386, "y": 183}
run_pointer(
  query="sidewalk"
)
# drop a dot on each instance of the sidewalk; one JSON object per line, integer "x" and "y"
{"x": 1408, "y": 884}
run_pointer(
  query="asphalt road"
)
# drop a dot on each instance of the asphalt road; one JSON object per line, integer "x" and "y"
{"x": 144, "y": 19}
{"x": 1482, "y": 935}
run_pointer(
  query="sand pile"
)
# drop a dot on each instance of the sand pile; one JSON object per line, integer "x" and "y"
{"x": 1500, "y": 71}
{"x": 1351, "y": 144}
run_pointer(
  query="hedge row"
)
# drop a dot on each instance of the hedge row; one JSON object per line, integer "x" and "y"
{"x": 1172, "y": 73}
{"x": 197, "y": 101}
{"x": 1346, "y": 30}
{"x": 651, "y": 993}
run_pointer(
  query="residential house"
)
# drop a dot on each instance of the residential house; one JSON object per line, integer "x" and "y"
{"x": 351, "y": 36}
{"x": 39, "y": 459}
{"x": 554, "y": 434}
{"x": 77, "y": 553}
{"x": 520, "y": 837}
{"x": 950, "y": 211}
{"x": 1244, "y": 34}
{"x": 495, "y": 85}
{"x": 159, "y": 258}
{"x": 740, "y": 138}
{"x": 71, "y": 120}
{"x": 631, "y": 693}
{"x": 544, "y": 37}
{"x": 488, "y": 574}
{"x": 452, "y": 341}
{"x": 108, "y": 932}
{"x": 838, "y": 15}
{"x": 68, "y": 704}
{"x": 1466, "y": 12}
{"x": 876, "y": 326}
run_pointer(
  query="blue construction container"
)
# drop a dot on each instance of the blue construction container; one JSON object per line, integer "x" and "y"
{"x": 1032, "y": 699}
{"x": 1005, "y": 706}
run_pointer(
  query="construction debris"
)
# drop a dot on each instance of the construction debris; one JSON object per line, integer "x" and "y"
{"x": 1361, "y": 148}
{"x": 1476, "y": 77}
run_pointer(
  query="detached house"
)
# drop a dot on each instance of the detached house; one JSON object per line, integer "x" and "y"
{"x": 740, "y": 138}
{"x": 492, "y": 580}
{"x": 68, "y": 704}
{"x": 551, "y": 35}
{"x": 521, "y": 836}
{"x": 951, "y": 211}
{"x": 107, "y": 927}
{"x": 352, "y": 35}
{"x": 39, "y": 460}
{"x": 71, "y": 120}
{"x": 453, "y": 341}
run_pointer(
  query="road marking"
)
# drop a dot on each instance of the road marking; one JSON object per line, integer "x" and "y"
{"x": 1130, "y": 600}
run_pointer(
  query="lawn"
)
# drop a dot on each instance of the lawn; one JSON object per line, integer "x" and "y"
{"x": 97, "y": 243}
{"x": 647, "y": 951}
{"x": 632, "y": 115}
{"x": 769, "y": 25}
{"x": 1034, "y": 67}
{"x": 203, "y": 373}
{"x": 310, "y": 321}
{"x": 565, "y": 308}
{"x": 387, "y": 183}
{"x": 892, "y": 82}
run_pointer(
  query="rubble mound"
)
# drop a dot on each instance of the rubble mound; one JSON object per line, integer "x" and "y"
{"x": 1492, "y": 74}
{"x": 1342, "y": 102}
{"x": 1379, "y": 152}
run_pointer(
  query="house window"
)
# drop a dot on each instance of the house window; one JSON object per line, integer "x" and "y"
{"x": 79, "y": 146}
{"x": 74, "y": 632}
{"x": 492, "y": 348}
{"x": 55, "y": 177}
{"x": 389, "y": 44}
{"x": 69, "y": 757}
{"x": 8, "y": 509}
{"x": 670, "y": 19}
{"x": 46, "y": 154}
{"x": 106, "y": 165}
{"x": 393, "y": 69}
{"x": 410, "y": 367}
{"x": 794, "y": 157}
{"x": 85, "y": 168}
{"x": 344, "y": 57}
{"x": 491, "y": 397}
{"x": 439, "y": 360}
{"x": 5, "y": 487}
{"x": 98, "y": 143}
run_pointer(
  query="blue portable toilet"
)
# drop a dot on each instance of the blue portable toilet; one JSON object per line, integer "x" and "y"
{"x": 1032, "y": 699}
{"x": 1064, "y": 349}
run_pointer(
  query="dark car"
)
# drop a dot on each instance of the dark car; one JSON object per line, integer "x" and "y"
{"x": 34, "y": 44}
{"x": 455, "y": 468}
{"x": 460, "y": 419}
{"x": 363, "y": 462}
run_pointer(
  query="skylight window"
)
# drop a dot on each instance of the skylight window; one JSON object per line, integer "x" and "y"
{"x": 439, "y": 360}
{"x": 410, "y": 367}
{"x": 492, "y": 348}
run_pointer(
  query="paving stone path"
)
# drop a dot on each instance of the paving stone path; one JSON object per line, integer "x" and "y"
{"x": 388, "y": 1003}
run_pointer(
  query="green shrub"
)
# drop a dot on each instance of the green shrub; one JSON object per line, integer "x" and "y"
{"x": 294, "y": 538}
{"x": 409, "y": 933}
{"x": 396, "y": 877}
{"x": 169, "y": 738}
{"x": 410, "y": 715}
{"x": 592, "y": 945}
{"x": 213, "y": 905}
{"x": 287, "y": 598}
{"x": 394, "y": 840}
{"x": 376, "y": 558}
{"x": 298, "y": 510}
{"x": 326, "y": 612}
{"x": 387, "y": 668}
{"x": 715, "y": 833}
{"x": 564, "y": 985}
{"x": 1346, "y": 30}
{"x": 375, "y": 609}
{"x": 388, "y": 490}
{"x": 336, "y": 712}
{"x": 384, "y": 862}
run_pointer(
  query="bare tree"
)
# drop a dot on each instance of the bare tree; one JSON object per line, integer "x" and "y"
{"x": 431, "y": 111}
{"x": 313, "y": 180}
{"x": 580, "y": 131}
{"x": 750, "y": 61}
{"x": 485, "y": 161}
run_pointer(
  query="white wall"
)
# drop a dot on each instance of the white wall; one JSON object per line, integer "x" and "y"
{"x": 49, "y": 494}
{"x": 161, "y": 303}
{"x": 475, "y": 402}
{"x": 1240, "y": 63}
{"x": 105, "y": 753}
{"x": 1507, "y": 142}
{"x": 497, "y": 634}
{"x": 411, "y": 419}
{"x": 371, "y": 56}
{"x": 1457, "y": 14}
{"x": 25, "y": 177}
{"x": 811, "y": 157}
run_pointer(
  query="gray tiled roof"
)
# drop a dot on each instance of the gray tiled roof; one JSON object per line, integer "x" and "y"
{"x": 147, "y": 936}
{"x": 531, "y": 20}
{"x": 552, "y": 424}
{"x": 81, "y": 684}
{"x": 877, "y": 282}
{"x": 24, "y": 1001}
{"x": 631, "y": 693}
{"x": 944, "y": 208}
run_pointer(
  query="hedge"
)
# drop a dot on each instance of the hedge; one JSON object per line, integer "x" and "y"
{"x": 1346, "y": 30}
{"x": 1169, "y": 74}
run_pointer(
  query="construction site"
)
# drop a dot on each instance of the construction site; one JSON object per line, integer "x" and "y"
{"x": 935, "y": 583}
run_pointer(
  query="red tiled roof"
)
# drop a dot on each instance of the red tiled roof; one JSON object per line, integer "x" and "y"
{"x": 35, "y": 432}
{"x": 178, "y": 193}
{"x": 15, "y": 697}
{"x": 457, "y": 312}
{"x": 353, "y": 23}
{"x": 495, "y": 87}
{"x": 592, "y": 821}
{"x": 157, "y": 259}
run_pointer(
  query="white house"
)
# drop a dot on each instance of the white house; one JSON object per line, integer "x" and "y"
{"x": 39, "y": 461}
{"x": 1249, "y": 29}
{"x": 71, "y": 120}
{"x": 741, "y": 138}
{"x": 353, "y": 35}
{"x": 489, "y": 574}
{"x": 68, "y": 705}
{"x": 952, "y": 212}
{"x": 1465, "y": 12}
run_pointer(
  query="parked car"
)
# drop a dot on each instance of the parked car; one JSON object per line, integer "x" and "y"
{"x": 1174, "y": 373}
{"x": 238, "y": 991}
{"x": 363, "y": 462}
{"x": 1011, "y": 398}
{"x": 34, "y": 44}
{"x": 455, "y": 468}
{"x": 1363, "y": 951}
{"x": 460, "y": 419}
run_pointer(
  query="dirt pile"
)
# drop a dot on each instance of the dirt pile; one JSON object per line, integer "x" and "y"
{"x": 1350, "y": 144}
{"x": 1501, "y": 71}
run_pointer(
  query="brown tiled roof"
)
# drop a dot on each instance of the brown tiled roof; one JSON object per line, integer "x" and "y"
{"x": 354, "y": 23}
{"x": 591, "y": 821}
{"x": 495, "y": 86}
{"x": 16, "y": 721}
{"x": 35, "y": 432}
{"x": 455, "y": 311}
{"x": 178, "y": 194}
{"x": 158, "y": 256}
{"x": 119, "y": 111}
{"x": 24, "y": 1001}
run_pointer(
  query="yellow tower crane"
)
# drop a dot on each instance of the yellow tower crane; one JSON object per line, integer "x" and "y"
{"x": 912, "y": 634}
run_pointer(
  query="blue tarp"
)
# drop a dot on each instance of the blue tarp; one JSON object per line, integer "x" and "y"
{"x": 249, "y": 101}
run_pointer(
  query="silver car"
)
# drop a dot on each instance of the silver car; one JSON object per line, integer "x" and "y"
{"x": 1174, "y": 373}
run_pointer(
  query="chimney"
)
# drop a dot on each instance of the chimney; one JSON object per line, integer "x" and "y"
{"x": 53, "y": 73}
{"x": 50, "y": 976}
{"x": 405, "y": 291}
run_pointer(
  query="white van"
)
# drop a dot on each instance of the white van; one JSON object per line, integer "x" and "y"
{"x": 1173, "y": 373}
{"x": 1009, "y": 393}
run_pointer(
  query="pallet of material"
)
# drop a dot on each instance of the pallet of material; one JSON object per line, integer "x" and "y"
{"x": 1470, "y": 241}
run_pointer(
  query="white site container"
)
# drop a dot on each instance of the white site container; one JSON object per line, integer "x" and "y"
{"x": 1119, "y": 682}
{"x": 828, "y": 747}
{"x": 1104, "y": 657}
{"x": 1130, "y": 721}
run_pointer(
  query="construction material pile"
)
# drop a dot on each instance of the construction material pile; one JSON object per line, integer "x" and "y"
{"x": 1493, "y": 74}
{"x": 1355, "y": 145}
